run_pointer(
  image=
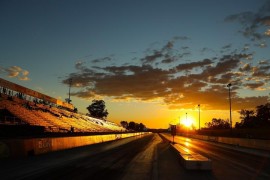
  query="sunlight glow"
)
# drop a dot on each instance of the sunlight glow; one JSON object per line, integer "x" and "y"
{"x": 187, "y": 122}
{"x": 187, "y": 143}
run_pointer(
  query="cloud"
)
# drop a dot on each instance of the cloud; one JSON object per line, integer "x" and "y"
{"x": 16, "y": 72}
{"x": 162, "y": 54}
{"x": 255, "y": 25}
{"x": 226, "y": 48}
{"x": 249, "y": 23}
{"x": 169, "y": 60}
{"x": 261, "y": 71}
{"x": 226, "y": 64}
{"x": 105, "y": 59}
{"x": 179, "y": 85}
{"x": 264, "y": 62}
{"x": 190, "y": 66}
{"x": 246, "y": 68}
{"x": 167, "y": 53}
{"x": 24, "y": 76}
{"x": 264, "y": 20}
{"x": 183, "y": 38}
{"x": 243, "y": 17}
{"x": 248, "y": 102}
{"x": 267, "y": 32}
{"x": 149, "y": 59}
{"x": 255, "y": 86}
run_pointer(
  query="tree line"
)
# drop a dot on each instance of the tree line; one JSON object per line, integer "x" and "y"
{"x": 260, "y": 117}
{"x": 255, "y": 118}
{"x": 133, "y": 126}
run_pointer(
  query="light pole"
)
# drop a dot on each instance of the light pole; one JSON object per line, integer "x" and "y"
{"x": 230, "y": 101}
{"x": 70, "y": 81}
{"x": 199, "y": 117}
{"x": 186, "y": 126}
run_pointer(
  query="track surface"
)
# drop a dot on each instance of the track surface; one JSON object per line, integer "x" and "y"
{"x": 148, "y": 157}
{"x": 229, "y": 162}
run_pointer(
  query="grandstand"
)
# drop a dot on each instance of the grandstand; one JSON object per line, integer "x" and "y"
{"x": 23, "y": 107}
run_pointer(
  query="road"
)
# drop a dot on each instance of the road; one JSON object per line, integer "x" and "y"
{"x": 149, "y": 157}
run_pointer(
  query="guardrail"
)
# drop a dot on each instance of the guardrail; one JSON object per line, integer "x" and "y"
{"x": 241, "y": 142}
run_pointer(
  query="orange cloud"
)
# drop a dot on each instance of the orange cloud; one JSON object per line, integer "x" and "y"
{"x": 204, "y": 84}
{"x": 16, "y": 71}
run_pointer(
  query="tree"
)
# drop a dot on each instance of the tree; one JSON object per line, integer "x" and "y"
{"x": 135, "y": 126}
{"x": 218, "y": 124}
{"x": 141, "y": 127}
{"x": 263, "y": 114}
{"x": 250, "y": 119}
{"x": 246, "y": 114}
{"x": 132, "y": 125}
{"x": 124, "y": 124}
{"x": 97, "y": 109}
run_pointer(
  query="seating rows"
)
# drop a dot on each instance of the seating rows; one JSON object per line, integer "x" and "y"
{"x": 55, "y": 119}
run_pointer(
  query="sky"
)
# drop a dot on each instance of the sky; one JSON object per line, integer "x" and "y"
{"x": 151, "y": 61}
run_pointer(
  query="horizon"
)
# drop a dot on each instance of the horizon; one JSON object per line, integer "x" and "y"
{"x": 151, "y": 62}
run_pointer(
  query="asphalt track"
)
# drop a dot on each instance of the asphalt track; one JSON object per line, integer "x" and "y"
{"x": 230, "y": 162}
{"x": 148, "y": 157}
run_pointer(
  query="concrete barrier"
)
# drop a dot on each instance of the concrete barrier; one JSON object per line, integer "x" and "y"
{"x": 191, "y": 160}
{"x": 35, "y": 146}
{"x": 248, "y": 143}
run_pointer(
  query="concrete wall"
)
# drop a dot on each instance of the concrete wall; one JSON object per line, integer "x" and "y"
{"x": 249, "y": 143}
{"x": 34, "y": 146}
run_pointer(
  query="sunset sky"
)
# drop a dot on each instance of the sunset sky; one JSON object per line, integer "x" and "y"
{"x": 151, "y": 61}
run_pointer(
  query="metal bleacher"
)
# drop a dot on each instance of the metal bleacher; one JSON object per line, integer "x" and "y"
{"x": 54, "y": 119}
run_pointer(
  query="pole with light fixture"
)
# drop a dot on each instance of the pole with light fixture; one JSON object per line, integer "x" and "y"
{"x": 230, "y": 101}
{"x": 199, "y": 117}
{"x": 186, "y": 126}
{"x": 70, "y": 82}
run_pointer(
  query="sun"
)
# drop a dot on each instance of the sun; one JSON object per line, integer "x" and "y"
{"x": 187, "y": 122}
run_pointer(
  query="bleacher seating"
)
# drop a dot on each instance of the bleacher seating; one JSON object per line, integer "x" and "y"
{"x": 55, "y": 119}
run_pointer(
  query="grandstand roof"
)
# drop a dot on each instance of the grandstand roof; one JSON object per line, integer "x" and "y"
{"x": 18, "y": 88}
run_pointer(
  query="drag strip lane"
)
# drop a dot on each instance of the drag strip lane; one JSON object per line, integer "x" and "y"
{"x": 228, "y": 163}
{"x": 99, "y": 161}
